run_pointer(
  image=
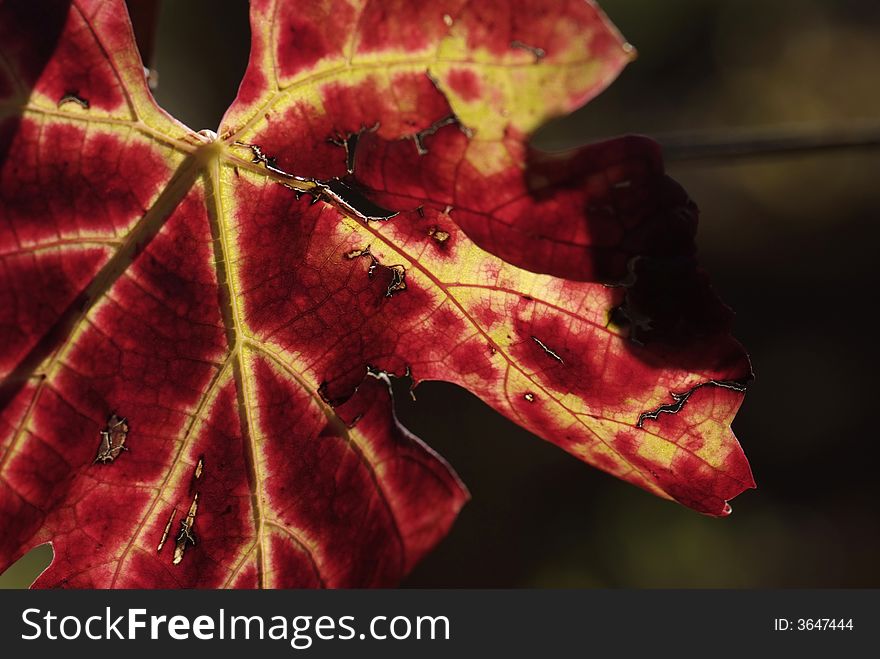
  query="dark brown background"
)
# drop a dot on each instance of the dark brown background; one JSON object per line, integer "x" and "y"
{"x": 791, "y": 243}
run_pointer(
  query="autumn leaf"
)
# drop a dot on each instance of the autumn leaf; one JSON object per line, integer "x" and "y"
{"x": 198, "y": 328}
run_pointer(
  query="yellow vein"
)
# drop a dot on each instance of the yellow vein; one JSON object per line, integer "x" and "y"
{"x": 346, "y": 435}
{"x": 91, "y": 120}
{"x": 512, "y": 363}
{"x": 578, "y": 416}
{"x": 232, "y": 318}
{"x": 71, "y": 321}
{"x": 62, "y": 244}
{"x": 389, "y": 66}
{"x": 297, "y": 540}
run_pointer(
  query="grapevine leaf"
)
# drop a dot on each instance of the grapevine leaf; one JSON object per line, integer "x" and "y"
{"x": 198, "y": 328}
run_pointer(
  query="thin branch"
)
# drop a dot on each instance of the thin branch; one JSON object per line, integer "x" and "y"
{"x": 785, "y": 139}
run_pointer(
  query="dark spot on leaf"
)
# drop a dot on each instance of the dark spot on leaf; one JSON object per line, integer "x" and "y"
{"x": 186, "y": 536}
{"x": 74, "y": 97}
{"x": 396, "y": 273}
{"x": 269, "y": 162}
{"x": 398, "y": 280}
{"x": 547, "y": 350}
{"x": 355, "y": 253}
{"x": 539, "y": 53}
{"x": 448, "y": 120}
{"x": 167, "y": 530}
{"x": 354, "y": 201}
{"x": 113, "y": 438}
{"x": 323, "y": 392}
{"x": 197, "y": 472}
{"x": 349, "y": 143}
{"x": 438, "y": 235}
{"x": 680, "y": 399}
{"x": 351, "y": 200}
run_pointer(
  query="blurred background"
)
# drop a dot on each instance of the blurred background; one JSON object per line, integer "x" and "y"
{"x": 791, "y": 242}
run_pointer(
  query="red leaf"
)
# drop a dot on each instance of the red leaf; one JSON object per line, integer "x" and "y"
{"x": 197, "y": 330}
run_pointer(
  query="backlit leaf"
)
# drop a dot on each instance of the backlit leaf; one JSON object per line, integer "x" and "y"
{"x": 197, "y": 328}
